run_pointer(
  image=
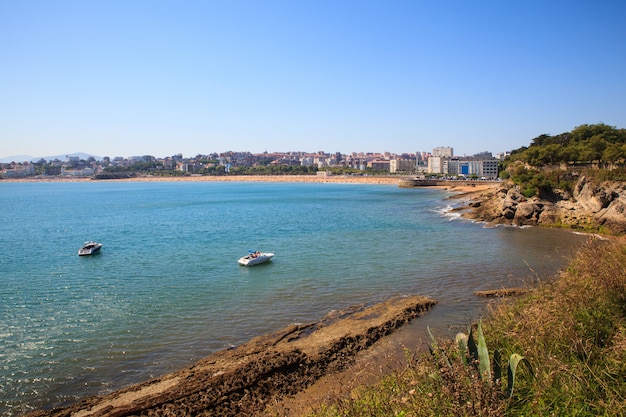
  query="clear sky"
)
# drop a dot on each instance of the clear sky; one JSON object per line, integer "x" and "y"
{"x": 149, "y": 77}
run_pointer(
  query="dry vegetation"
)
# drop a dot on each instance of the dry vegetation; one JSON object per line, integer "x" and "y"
{"x": 569, "y": 336}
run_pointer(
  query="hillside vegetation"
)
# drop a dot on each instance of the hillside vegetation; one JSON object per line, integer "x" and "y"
{"x": 561, "y": 350}
{"x": 550, "y": 163}
{"x": 599, "y": 143}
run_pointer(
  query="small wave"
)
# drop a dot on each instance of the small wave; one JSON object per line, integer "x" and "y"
{"x": 450, "y": 212}
{"x": 453, "y": 216}
{"x": 593, "y": 235}
{"x": 513, "y": 226}
{"x": 445, "y": 211}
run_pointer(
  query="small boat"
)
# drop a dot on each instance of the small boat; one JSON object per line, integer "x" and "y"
{"x": 255, "y": 258}
{"x": 89, "y": 248}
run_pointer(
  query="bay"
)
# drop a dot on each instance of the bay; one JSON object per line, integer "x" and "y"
{"x": 166, "y": 289}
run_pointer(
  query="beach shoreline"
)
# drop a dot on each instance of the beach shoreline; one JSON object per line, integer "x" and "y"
{"x": 224, "y": 178}
{"x": 455, "y": 186}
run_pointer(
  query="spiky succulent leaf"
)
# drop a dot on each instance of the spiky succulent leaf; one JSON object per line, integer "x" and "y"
{"x": 471, "y": 345}
{"x": 461, "y": 343}
{"x": 484, "y": 363}
{"x": 433, "y": 342}
{"x": 497, "y": 366}
{"x": 513, "y": 362}
{"x": 435, "y": 350}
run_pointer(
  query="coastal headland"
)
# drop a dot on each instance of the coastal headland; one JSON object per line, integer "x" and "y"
{"x": 252, "y": 378}
{"x": 590, "y": 207}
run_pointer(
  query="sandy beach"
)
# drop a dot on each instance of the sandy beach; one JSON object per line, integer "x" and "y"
{"x": 456, "y": 186}
{"x": 234, "y": 178}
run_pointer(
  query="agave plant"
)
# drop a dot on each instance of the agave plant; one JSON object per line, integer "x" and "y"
{"x": 473, "y": 351}
{"x": 479, "y": 353}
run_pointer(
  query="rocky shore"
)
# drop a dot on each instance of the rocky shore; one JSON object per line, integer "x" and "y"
{"x": 590, "y": 207}
{"x": 249, "y": 379}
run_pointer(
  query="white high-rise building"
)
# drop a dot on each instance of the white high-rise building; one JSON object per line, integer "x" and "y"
{"x": 443, "y": 151}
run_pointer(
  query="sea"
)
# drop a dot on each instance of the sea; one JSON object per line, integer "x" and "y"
{"x": 166, "y": 289}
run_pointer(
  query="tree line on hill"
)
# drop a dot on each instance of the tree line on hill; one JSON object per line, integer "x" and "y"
{"x": 553, "y": 163}
{"x": 598, "y": 144}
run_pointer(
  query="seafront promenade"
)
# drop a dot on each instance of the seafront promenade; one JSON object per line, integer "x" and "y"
{"x": 458, "y": 186}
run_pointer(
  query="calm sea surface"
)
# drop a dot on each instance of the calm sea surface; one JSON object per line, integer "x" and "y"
{"x": 166, "y": 288}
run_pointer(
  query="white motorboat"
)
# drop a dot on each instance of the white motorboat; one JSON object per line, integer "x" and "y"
{"x": 255, "y": 258}
{"x": 89, "y": 248}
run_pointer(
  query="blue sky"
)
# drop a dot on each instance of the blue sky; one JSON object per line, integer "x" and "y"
{"x": 122, "y": 78}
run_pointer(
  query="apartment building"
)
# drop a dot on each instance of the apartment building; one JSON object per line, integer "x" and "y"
{"x": 443, "y": 151}
{"x": 401, "y": 165}
{"x": 487, "y": 168}
{"x": 479, "y": 165}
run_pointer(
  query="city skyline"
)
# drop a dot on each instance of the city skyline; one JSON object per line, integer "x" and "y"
{"x": 84, "y": 156}
{"x": 160, "y": 78}
{"x": 441, "y": 161}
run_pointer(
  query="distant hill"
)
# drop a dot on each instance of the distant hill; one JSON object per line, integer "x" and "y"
{"x": 63, "y": 157}
{"x": 16, "y": 158}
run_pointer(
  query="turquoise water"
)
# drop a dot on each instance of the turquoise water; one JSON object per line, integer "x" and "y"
{"x": 166, "y": 288}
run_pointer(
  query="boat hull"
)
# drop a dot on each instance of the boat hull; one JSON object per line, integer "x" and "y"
{"x": 89, "y": 248}
{"x": 249, "y": 260}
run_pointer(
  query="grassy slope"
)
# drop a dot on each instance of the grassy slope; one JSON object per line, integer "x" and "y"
{"x": 571, "y": 330}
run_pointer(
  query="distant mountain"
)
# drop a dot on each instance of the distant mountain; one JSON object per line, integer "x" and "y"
{"x": 23, "y": 158}
{"x": 16, "y": 158}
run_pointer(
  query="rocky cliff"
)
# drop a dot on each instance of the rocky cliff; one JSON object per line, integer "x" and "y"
{"x": 590, "y": 206}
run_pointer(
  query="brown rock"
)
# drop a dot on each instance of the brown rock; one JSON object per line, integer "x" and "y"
{"x": 508, "y": 213}
{"x": 590, "y": 206}
{"x": 502, "y": 292}
{"x": 613, "y": 217}
{"x": 527, "y": 212}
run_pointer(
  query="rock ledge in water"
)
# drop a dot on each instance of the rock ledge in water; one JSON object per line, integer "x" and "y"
{"x": 243, "y": 380}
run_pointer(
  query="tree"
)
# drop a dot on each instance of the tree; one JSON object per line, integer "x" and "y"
{"x": 549, "y": 155}
{"x": 597, "y": 145}
{"x": 540, "y": 140}
{"x": 586, "y": 143}
{"x": 570, "y": 153}
{"x": 614, "y": 153}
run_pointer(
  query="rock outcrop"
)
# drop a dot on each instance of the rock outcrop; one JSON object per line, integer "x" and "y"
{"x": 242, "y": 381}
{"x": 589, "y": 207}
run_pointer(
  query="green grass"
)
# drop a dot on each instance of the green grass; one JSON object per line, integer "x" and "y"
{"x": 570, "y": 330}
